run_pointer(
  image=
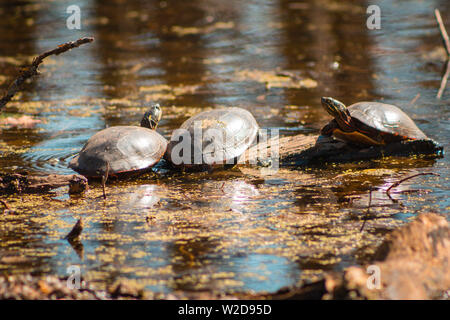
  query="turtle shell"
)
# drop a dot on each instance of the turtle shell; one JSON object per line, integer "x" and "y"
{"x": 124, "y": 148}
{"x": 214, "y": 138}
{"x": 389, "y": 121}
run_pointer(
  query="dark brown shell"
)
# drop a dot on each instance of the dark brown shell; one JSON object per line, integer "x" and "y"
{"x": 124, "y": 148}
{"x": 387, "y": 119}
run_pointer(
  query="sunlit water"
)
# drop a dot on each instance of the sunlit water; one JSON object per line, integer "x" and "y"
{"x": 234, "y": 230}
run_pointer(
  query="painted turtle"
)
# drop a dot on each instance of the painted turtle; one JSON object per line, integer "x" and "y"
{"x": 369, "y": 123}
{"x": 212, "y": 139}
{"x": 122, "y": 149}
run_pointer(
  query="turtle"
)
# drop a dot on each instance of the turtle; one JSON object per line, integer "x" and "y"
{"x": 122, "y": 150}
{"x": 211, "y": 139}
{"x": 369, "y": 123}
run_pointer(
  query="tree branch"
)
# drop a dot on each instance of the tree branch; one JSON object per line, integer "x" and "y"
{"x": 31, "y": 70}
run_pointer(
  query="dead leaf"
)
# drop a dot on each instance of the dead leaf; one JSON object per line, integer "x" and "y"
{"x": 22, "y": 122}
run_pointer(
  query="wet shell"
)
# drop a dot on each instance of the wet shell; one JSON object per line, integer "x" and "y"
{"x": 216, "y": 137}
{"x": 124, "y": 149}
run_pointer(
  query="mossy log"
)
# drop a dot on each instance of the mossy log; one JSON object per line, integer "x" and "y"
{"x": 302, "y": 150}
{"x": 23, "y": 183}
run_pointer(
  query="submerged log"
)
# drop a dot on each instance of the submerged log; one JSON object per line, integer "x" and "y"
{"x": 299, "y": 150}
{"x": 302, "y": 150}
{"x": 22, "y": 183}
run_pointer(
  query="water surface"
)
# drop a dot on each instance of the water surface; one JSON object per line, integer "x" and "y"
{"x": 224, "y": 231}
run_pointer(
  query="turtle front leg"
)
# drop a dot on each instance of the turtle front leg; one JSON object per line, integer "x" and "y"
{"x": 329, "y": 128}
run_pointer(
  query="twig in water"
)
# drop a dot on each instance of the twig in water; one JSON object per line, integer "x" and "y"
{"x": 444, "y": 80}
{"x": 75, "y": 232}
{"x": 415, "y": 99}
{"x": 5, "y": 204}
{"x": 446, "y": 42}
{"x": 444, "y": 34}
{"x": 74, "y": 238}
{"x": 396, "y": 184}
{"x": 368, "y": 210}
{"x": 104, "y": 179}
{"x": 31, "y": 70}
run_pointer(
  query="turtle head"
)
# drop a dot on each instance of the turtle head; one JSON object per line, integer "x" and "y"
{"x": 339, "y": 111}
{"x": 151, "y": 117}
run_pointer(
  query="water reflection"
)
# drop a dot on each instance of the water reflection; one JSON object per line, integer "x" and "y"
{"x": 230, "y": 230}
{"x": 260, "y": 272}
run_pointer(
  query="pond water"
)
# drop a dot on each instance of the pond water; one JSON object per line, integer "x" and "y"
{"x": 234, "y": 230}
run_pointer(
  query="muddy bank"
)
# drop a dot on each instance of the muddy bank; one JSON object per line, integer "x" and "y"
{"x": 411, "y": 263}
{"x": 27, "y": 287}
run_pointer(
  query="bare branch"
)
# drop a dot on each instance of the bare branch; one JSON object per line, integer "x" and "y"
{"x": 444, "y": 80}
{"x": 443, "y": 31}
{"x": 396, "y": 184}
{"x": 31, "y": 70}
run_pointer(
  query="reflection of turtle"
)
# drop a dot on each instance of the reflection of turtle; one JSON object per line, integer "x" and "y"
{"x": 369, "y": 123}
{"x": 216, "y": 137}
{"x": 122, "y": 149}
